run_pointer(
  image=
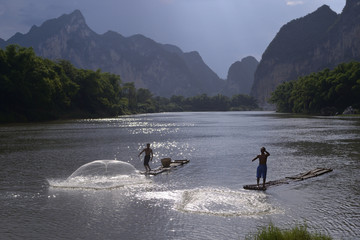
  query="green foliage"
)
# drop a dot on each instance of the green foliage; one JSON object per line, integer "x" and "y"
{"x": 29, "y": 85}
{"x": 145, "y": 102}
{"x": 242, "y": 102}
{"x": 37, "y": 89}
{"x": 297, "y": 233}
{"x": 204, "y": 102}
{"x": 129, "y": 92}
{"x": 324, "y": 92}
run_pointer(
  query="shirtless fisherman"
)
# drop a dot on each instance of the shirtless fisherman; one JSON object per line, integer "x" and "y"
{"x": 148, "y": 151}
{"x": 262, "y": 168}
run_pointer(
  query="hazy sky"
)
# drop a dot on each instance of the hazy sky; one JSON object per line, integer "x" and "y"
{"x": 222, "y": 31}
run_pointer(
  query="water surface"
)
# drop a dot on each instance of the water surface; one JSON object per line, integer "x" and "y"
{"x": 201, "y": 200}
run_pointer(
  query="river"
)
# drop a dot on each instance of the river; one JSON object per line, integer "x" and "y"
{"x": 203, "y": 199}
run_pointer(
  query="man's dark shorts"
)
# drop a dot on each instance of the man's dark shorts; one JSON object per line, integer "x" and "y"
{"x": 261, "y": 171}
{"x": 146, "y": 160}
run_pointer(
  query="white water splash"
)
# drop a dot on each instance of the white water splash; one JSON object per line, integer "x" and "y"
{"x": 216, "y": 201}
{"x": 102, "y": 174}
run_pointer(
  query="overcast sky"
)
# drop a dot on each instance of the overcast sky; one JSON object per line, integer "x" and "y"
{"x": 222, "y": 31}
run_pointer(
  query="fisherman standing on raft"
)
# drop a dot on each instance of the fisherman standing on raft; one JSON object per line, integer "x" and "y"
{"x": 262, "y": 168}
{"x": 148, "y": 151}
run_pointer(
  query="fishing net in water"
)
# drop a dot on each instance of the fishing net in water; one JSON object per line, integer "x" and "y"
{"x": 102, "y": 174}
{"x": 104, "y": 168}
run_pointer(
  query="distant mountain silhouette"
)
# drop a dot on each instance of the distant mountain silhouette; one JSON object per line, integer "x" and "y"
{"x": 240, "y": 76}
{"x": 163, "y": 69}
{"x": 322, "y": 39}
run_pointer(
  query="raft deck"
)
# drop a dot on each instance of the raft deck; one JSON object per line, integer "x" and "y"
{"x": 299, "y": 177}
{"x": 161, "y": 169}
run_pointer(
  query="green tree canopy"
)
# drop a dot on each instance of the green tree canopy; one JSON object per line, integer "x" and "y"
{"x": 328, "y": 91}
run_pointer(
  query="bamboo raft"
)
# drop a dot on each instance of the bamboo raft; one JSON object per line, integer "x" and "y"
{"x": 167, "y": 167}
{"x": 299, "y": 177}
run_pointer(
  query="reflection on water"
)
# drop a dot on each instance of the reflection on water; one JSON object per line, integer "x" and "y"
{"x": 50, "y": 180}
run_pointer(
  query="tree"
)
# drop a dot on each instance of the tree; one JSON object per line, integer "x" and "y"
{"x": 145, "y": 101}
{"x": 129, "y": 92}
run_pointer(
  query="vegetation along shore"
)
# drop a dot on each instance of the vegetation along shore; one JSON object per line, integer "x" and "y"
{"x": 38, "y": 89}
{"x": 328, "y": 92}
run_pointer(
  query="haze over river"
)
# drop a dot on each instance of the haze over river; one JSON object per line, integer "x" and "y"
{"x": 203, "y": 199}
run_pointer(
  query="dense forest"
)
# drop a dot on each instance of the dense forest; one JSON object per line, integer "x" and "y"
{"x": 37, "y": 89}
{"x": 327, "y": 92}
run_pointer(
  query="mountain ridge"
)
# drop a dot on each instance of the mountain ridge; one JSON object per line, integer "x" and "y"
{"x": 240, "y": 76}
{"x": 322, "y": 39}
{"x": 164, "y": 69}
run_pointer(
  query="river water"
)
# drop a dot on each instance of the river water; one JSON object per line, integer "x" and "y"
{"x": 203, "y": 199}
